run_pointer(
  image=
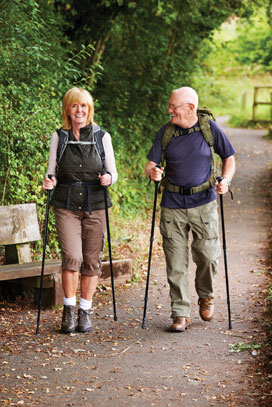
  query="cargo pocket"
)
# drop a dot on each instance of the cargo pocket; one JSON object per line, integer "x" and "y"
{"x": 166, "y": 227}
{"x": 209, "y": 219}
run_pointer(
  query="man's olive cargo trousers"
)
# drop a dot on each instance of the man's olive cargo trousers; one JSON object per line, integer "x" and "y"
{"x": 175, "y": 225}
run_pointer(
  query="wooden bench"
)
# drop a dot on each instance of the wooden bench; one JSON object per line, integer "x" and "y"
{"x": 19, "y": 226}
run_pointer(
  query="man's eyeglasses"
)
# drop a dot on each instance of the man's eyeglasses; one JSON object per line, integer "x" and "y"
{"x": 170, "y": 106}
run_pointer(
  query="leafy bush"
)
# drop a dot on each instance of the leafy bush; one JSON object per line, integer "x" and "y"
{"x": 253, "y": 45}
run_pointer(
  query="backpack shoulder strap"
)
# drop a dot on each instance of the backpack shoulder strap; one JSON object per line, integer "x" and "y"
{"x": 205, "y": 127}
{"x": 98, "y": 134}
{"x": 169, "y": 133}
{"x": 62, "y": 144}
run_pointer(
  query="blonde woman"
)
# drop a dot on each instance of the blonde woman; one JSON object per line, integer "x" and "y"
{"x": 82, "y": 162}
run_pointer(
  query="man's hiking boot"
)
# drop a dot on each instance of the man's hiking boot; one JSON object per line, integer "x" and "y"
{"x": 206, "y": 308}
{"x": 180, "y": 324}
{"x": 68, "y": 319}
{"x": 84, "y": 320}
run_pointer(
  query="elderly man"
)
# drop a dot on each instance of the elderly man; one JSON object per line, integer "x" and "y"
{"x": 189, "y": 202}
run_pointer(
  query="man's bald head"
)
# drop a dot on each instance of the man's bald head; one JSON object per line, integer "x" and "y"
{"x": 188, "y": 94}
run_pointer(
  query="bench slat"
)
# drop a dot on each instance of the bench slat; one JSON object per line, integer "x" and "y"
{"x": 13, "y": 271}
{"x": 122, "y": 270}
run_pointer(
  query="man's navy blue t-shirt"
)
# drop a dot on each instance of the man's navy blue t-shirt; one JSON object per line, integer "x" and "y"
{"x": 188, "y": 164}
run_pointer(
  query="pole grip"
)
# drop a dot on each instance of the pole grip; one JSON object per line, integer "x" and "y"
{"x": 157, "y": 166}
{"x": 50, "y": 176}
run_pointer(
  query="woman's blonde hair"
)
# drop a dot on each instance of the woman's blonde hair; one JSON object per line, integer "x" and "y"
{"x": 76, "y": 95}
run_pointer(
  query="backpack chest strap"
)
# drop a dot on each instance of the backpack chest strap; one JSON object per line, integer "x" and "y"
{"x": 82, "y": 143}
{"x": 183, "y": 132}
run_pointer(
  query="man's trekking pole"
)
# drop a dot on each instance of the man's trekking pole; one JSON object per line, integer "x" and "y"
{"x": 219, "y": 179}
{"x": 43, "y": 257}
{"x": 109, "y": 244}
{"x": 150, "y": 250}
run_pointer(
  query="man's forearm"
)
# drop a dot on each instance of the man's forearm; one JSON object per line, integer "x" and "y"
{"x": 228, "y": 168}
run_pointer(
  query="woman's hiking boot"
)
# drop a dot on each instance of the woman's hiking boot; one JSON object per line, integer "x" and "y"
{"x": 84, "y": 320}
{"x": 68, "y": 319}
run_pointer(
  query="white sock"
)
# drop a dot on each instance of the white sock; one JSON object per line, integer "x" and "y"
{"x": 70, "y": 301}
{"x": 85, "y": 304}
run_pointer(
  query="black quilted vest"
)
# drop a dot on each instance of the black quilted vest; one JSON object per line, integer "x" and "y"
{"x": 78, "y": 187}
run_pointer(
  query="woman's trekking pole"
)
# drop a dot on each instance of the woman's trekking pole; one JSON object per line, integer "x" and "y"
{"x": 225, "y": 253}
{"x": 150, "y": 251}
{"x": 43, "y": 257}
{"x": 109, "y": 244}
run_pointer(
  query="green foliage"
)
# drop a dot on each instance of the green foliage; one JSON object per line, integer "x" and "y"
{"x": 35, "y": 71}
{"x": 242, "y": 347}
{"x": 237, "y": 59}
{"x": 152, "y": 50}
{"x": 253, "y": 45}
{"x": 130, "y": 193}
{"x": 26, "y": 96}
